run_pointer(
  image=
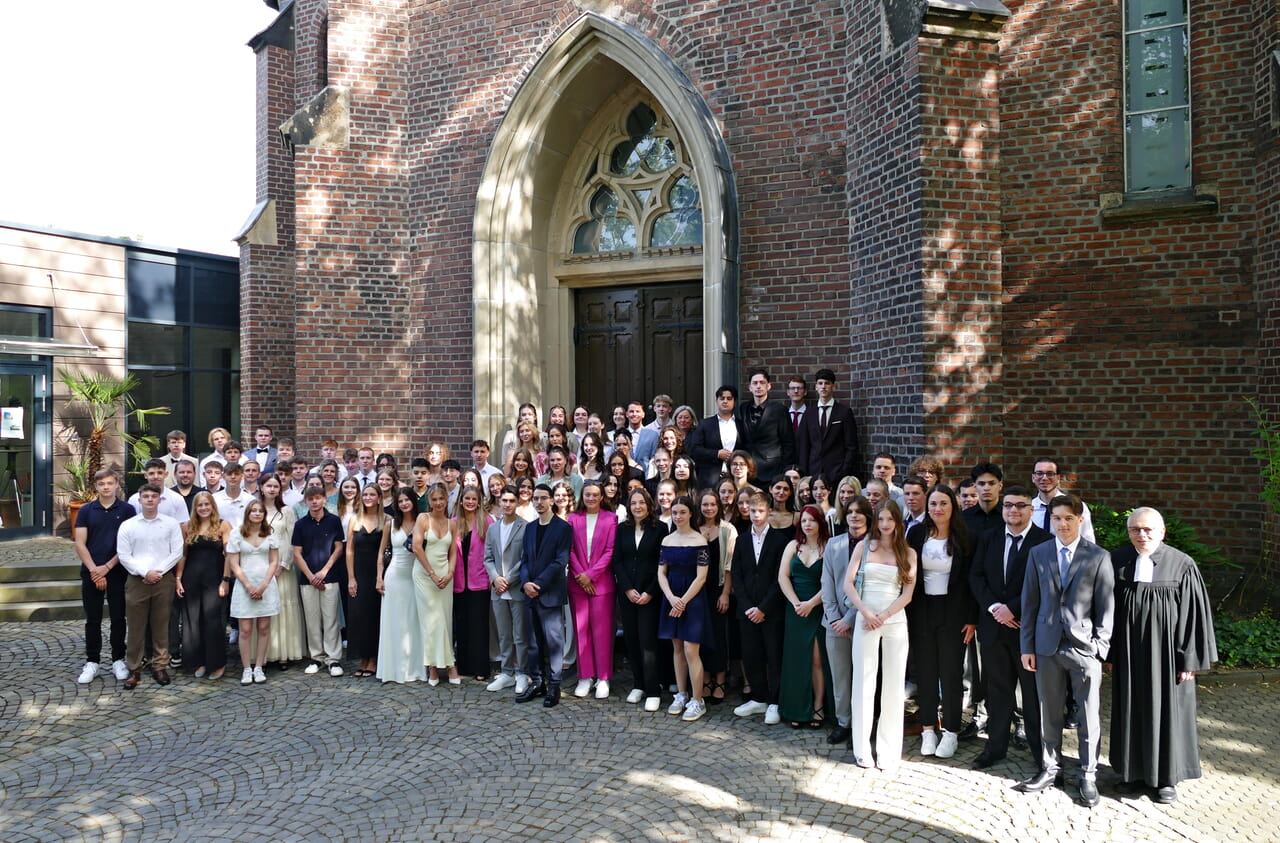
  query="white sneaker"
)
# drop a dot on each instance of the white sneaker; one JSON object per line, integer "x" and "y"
{"x": 928, "y": 742}
{"x": 947, "y": 746}
{"x": 314, "y": 667}
{"x": 522, "y": 683}
{"x": 246, "y": 678}
{"x": 88, "y": 673}
{"x": 602, "y": 689}
{"x": 772, "y": 717}
{"x": 750, "y": 708}
{"x": 120, "y": 669}
{"x": 258, "y": 676}
{"x": 652, "y": 703}
{"x": 335, "y": 669}
{"x": 584, "y": 688}
{"x": 500, "y": 682}
{"x": 635, "y": 696}
{"x": 678, "y": 704}
{"x": 694, "y": 710}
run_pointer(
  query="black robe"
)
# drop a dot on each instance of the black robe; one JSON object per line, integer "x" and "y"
{"x": 1161, "y": 628}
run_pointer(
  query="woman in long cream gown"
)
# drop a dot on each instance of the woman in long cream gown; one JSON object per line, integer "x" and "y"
{"x": 436, "y": 553}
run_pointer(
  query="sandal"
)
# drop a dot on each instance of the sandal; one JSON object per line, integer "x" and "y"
{"x": 819, "y": 717}
{"x": 711, "y": 693}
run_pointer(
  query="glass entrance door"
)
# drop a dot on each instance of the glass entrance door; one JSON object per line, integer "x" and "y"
{"x": 25, "y": 452}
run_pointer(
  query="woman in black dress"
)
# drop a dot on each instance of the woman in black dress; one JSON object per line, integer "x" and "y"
{"x": 200, "y": 582}
{"x": 366, "y": 540}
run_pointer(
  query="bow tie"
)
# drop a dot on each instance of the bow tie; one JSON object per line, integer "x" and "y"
{"x": 264, "y": 450}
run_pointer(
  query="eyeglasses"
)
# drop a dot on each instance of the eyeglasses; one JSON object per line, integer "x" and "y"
{"x": 795, "y": 389}
{"x": 1017, "y": 506}
{"x": 1146, "y": 530}
{"x": 1044, "y": 474}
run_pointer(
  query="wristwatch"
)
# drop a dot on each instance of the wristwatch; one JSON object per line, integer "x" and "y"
{"x": 227, "y": 579}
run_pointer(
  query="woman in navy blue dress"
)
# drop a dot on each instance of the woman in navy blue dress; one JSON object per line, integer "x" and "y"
{"x": 685, "y": 615}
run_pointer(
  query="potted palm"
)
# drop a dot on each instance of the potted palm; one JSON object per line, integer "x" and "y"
{"x": 103, "y": 398}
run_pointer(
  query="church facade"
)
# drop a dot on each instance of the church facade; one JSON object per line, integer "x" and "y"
{"x": 1013, "y": 230}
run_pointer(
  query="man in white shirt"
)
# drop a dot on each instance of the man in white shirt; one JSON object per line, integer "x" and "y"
{"x": 292, "y": 494}
{"x": 662, "y": 407}
{"x": 1047, "y": 478}
{"x": 232, "y": 500}
{"x": 365, "y": 472}
{"x": 480, "y": 461}
{"x": 172, "y": 504}
{"x": 644, "y": 441}
{"x": 148, "y": 547}
{"x": 883, "y": 467}
{"x": 797, "y": 390}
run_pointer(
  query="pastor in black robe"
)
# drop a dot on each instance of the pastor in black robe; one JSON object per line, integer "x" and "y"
{"x": 1162, "y": 628}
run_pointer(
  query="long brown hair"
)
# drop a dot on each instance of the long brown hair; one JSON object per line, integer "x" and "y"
{"x": 264, "y": 529}
{"x": 898, "y": 544}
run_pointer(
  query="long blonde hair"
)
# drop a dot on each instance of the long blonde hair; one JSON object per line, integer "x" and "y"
{"x": 197, "y": 526}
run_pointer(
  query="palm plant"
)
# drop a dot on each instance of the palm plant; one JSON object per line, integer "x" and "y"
{"x": 103, "y": 397}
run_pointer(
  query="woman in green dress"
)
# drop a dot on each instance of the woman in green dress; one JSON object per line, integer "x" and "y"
{"x": 806, "y": 697}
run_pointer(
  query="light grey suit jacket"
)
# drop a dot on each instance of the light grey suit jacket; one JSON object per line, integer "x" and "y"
{"x": 505, "y": 561}
{"x": 1079, "y": 616}
{"x": 835, "y": 564}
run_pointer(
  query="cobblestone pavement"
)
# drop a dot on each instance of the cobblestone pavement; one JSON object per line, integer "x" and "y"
{"x": 317, "y": 758}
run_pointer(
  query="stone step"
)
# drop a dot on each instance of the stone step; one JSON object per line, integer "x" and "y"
{"x": 33, "y": 591}
{"x": 31, "y": 570}
{"x": 59, "y": 610}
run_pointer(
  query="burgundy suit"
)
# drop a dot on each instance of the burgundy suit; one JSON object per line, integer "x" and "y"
{"x": 593, "y": 613}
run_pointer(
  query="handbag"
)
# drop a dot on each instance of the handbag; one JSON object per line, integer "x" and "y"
{"x": 858, "y": 578}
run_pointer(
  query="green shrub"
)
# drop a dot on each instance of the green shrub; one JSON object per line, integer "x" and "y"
{"x": 1112, "y": 533}
{"x": 1248, "y": 642}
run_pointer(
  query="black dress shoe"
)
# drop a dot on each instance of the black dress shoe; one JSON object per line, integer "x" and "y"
{"x": 840, "y": 734}
{"x": 552, "y": 699}
{"x": 969, "y": 732}
{"x": 132, "y": 681}
{"x": 1089, "y": 793}
{"x": 531, "y": 693}
{"x": 984, "y": 761}
{"x": 1040, "y": 781}
{"x": 161, "y": 676}
{"x": 1166, "y": 795}
{"x": 1020, "y": 737}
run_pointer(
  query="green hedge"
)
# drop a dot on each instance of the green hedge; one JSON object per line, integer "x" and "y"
{"x": 1112, "y": 533}
{"x": 1248, "y": 642}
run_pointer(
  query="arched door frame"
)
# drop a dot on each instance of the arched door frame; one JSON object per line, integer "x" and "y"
{"x": 523, "y": 317}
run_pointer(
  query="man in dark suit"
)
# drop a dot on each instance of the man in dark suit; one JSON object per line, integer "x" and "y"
{"x": 543, "y": 562}
{"x": 264, "y": 453}
{"x": 1069, "y": 590}
{"x": 756, "y": 559}
{"x": 828, "y": 441}
{"x": 996, "y": 576}
{"x": 773, "y": 444}
{"x": 714, "y": 440}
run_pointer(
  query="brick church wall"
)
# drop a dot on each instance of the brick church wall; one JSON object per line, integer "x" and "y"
{"x": 1128, "y": 346}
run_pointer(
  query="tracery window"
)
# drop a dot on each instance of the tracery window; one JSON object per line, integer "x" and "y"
{"x": 639, "y": 195}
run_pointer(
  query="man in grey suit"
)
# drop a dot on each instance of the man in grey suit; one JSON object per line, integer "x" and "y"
{"x": 544, "y": 563}
{"x": 838, "y": 617}
{"x": 502, "y": 550}
{"x": 1068, "y": 601}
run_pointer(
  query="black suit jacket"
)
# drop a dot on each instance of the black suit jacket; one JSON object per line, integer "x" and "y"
{"x": 756, "y": 583}
{"x": 773, "y": 445}
{"x": 704, "y": 444}
{"x": 990, "y": 583}
{"x": 835, "y": 455}
{"x": 545, "y": 564}
{"x": 637, "y": 567}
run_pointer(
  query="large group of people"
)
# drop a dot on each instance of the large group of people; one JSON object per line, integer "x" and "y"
{"x": 747, "y": 549}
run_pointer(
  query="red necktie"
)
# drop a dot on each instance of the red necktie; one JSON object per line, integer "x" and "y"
{"x": 795, "y": 420}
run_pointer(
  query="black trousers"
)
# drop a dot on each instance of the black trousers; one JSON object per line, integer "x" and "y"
{"x": 205, "y": 643}
{"x": 938, "y": 648}
{"x": 640, "y": 636}
{"x": 1002, "y": 667}
{"x": 471, "y": 632}
{"x": 762, "y": 657}
{"x": 92, "y": 600}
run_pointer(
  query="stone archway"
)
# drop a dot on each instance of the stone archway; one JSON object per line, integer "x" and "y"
{"x": 523, "y": 316}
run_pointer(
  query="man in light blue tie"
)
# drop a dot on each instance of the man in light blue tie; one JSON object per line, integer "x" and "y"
{"x": 1069, "y": 590}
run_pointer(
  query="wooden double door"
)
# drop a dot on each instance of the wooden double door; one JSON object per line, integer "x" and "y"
{"x": 632, "y": 343}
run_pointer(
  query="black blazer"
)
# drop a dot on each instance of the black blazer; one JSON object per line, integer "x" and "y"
{"x": 835, "y": 455}
{"x": 773, "y": 445}
{"x": 704, "y": 444}
{"x": 637, "y": 567}
{"x": 547, "y": 566}
{"x": 756, "y": 584}
{"x": 960, "y": 608}
{"x": 989, "y": 584}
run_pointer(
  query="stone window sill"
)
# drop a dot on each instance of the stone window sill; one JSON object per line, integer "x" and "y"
{"x": 1200, "y": 200}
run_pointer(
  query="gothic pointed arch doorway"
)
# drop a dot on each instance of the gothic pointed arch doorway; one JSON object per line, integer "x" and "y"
{"x": 547, "y": 239}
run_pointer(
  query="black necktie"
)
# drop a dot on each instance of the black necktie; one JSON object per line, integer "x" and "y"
{"x": 1013, "y": 551}
{"x": 822, "y": 422}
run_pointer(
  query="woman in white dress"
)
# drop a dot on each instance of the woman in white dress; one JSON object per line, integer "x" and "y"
{"x": 437, "y": 556}
{"x": 253, "y": 554}
{"x": 288, "y": 639}
{"x": 401, "y": 643}
{"x": 880, "y": 635}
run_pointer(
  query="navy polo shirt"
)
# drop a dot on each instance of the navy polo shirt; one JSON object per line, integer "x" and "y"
{"x": 102, "y": 525}
{"x": 316, "y": 539}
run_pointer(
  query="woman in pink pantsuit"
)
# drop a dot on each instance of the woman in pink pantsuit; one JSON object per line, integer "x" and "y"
{"x": 591, "y": 590}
